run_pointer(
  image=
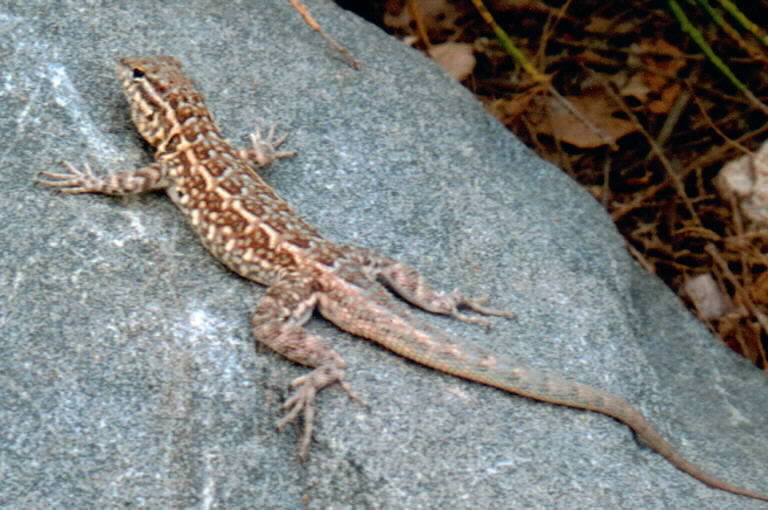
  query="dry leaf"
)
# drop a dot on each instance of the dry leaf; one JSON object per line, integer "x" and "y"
{"x": 442, "y": 19}
{"x": 456, "y": 58}
{"x": 634, "y": 86}
{"x": 513, "y": 5}
{"x": 653, "y": 86}
{"x": 758, "y": 291}
{"x": 509, "y": 110}
{"x": 610, "y": 27}
{"x": 596, "y": 108}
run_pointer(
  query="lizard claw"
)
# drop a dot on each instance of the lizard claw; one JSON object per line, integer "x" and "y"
{"x": 263, "y": 149}
{"x": 303, "y": 398}
{"x": 76, "y": 181}
{"x": 476, "y": 305}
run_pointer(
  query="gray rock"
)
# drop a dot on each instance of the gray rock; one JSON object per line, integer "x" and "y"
{"x": 128, "y": 375}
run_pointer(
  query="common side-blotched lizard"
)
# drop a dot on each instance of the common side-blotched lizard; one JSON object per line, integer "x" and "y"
{"x": 254, "y": 232}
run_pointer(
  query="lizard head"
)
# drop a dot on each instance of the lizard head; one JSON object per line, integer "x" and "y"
{"x": 160, "y": 96}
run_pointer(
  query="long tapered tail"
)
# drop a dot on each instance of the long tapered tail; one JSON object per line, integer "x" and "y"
{"x": 556, "y": 390}
{"x": 389, "y": 324}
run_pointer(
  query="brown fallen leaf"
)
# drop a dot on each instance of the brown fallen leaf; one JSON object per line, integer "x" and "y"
{"x": 457, "y": 59}
{"x": 595, "y": 107}
{"x": 658, "y": 61}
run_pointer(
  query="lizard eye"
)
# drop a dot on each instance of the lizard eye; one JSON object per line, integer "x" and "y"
{"x": 137, "y": 73}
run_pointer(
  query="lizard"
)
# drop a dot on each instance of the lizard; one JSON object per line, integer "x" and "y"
{"x": 249, "y": 228}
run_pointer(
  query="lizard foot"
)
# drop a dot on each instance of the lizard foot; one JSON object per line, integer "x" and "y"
{"x": 263, "y": 150}
{"x": 75, "y": 181}
{"x": 476, "y": 305}
{"x": 303, "y": 398}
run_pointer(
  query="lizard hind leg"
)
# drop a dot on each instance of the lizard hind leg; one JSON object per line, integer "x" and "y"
{"x": 411, "y": 285}
{"x": 278, "y": 323}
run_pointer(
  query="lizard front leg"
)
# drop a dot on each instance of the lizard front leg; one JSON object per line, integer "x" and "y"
{"x": 409, "y": 284}
{"x": 149, "y": 178}
{"x": 263, "y": 149}
{"x": 278, "y": 323}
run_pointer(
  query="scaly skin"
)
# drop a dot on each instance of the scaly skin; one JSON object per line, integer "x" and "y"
{"x": 254, "y": 232}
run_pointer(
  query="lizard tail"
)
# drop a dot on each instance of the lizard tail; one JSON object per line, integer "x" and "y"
{"x": 386, "y": 322}
{"x": 557, "y": 390}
